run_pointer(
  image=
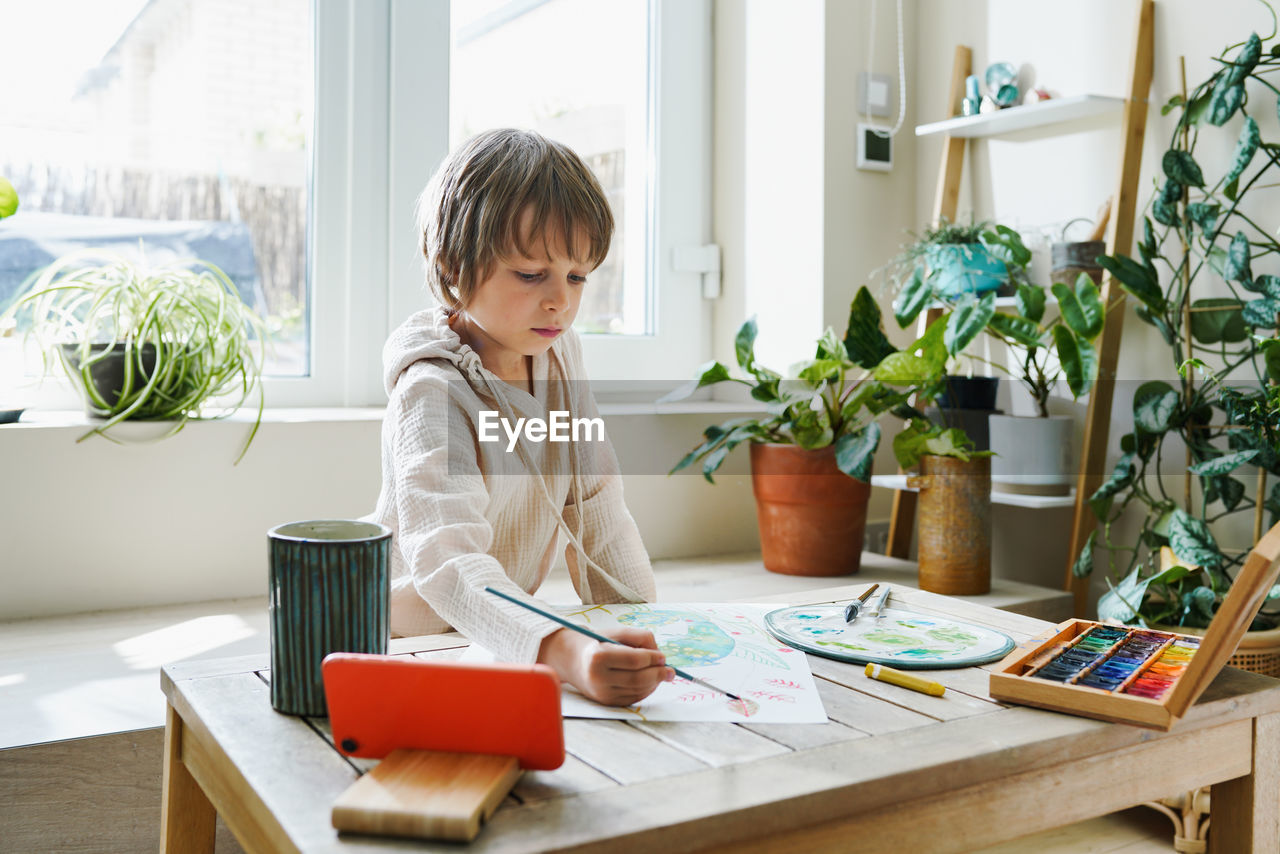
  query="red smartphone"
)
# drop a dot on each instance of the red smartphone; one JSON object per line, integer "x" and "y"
{"x": 378, "y": 703}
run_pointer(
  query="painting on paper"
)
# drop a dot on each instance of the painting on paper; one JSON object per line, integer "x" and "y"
{"x": 725, "y": 645}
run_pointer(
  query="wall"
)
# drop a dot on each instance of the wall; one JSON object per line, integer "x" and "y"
{"x": 799, "y": 228}
{"x": 96, "y": 525}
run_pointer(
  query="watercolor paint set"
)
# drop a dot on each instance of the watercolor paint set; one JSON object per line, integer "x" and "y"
{"x": 1134, "y": 674}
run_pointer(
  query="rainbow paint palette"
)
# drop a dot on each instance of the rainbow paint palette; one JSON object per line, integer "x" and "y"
{"x": 1135, "y": 675}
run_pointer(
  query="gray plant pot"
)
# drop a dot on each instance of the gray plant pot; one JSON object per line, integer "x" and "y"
{"x": 1035, "y": 456}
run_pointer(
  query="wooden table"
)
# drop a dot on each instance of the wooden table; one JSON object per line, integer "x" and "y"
{"x": 893, "y": 770}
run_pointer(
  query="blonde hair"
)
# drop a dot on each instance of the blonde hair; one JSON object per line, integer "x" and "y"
{"x": 469, "y": 213}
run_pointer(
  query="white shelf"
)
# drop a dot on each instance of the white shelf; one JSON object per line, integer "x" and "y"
{"x": 1013, "y": 499}
{"x": 1011, "y": 119}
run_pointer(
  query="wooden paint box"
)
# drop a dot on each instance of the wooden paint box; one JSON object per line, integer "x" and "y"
{"x": 1014, "y": 679}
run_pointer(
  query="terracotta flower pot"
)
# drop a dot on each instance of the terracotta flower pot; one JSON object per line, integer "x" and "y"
{"x": 812, "y": 515}
{"x": 953, "y": 524}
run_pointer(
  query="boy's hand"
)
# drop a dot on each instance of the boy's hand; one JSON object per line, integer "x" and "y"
{"x": 607, "y": 673}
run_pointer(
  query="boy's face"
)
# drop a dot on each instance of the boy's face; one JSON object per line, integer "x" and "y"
{"x": 526, "y": 302}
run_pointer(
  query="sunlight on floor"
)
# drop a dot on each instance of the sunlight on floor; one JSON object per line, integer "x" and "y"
{"x": 181, "y": 640}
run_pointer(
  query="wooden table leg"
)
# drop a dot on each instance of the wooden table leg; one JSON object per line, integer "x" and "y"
{"x": 1243, "y": 812}
{"x": 186, "y": 815}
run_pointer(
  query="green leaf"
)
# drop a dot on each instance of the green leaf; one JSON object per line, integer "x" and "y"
{"x": 1180, "y": 166}
{"x": 831, "y": 347}
{"x": 1020, "y": 329}
{"x": 855, "y": 452}
{"x": 1083, "y": 565}
{"x": 1121, "y": 478}
{"x": 744, "y": 344}
{"x": 8, "y": 198}
{"x": 904, "y": 369}
{"x": 811, "y": 428}
{"x": 1215, "y": 319}
{"x": 1200, "y": 602}
{"x": 864, "y": 338}
{"x": 952, "y": 442}
{"x": 1261, "y": 313}
{"x": 1006, "y": 245}
{"x": 915, "y": 295}
{"x": 1245, "y": 60}
{"x": 1246, "y": 147}
{"x": 1081, "y": 307}
{"x": 1204, "y": 214}
{"x": 1135, "y": 278}
{"x": 1228, "y": 490}
{"x": 1197, "y": 109}
{"x": 1078, "y": 358}
{"x": 1122, "y": 602}
{"x": 821, "y": 369}
{"x": 1232, "y": 189}
{"x": 1172, "y": 104}
{"x": 1191, "y": 541}
{"x": 932, "y": 345}
{"x": 708, "y": 374}
{"x": 1030, "y": 301}
{"x": 1271, "y": 356}
{"x": 1268, "y": 285}
{"x": 1224, "y": 464}
{"x": 1154, "y": 404}
{"x": 970, "y": 316}
{"x": 1226, "y": 99}
{"x": 1236, "y": 267}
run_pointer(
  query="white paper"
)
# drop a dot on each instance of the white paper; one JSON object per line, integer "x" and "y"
{"x": 725, "y": 645}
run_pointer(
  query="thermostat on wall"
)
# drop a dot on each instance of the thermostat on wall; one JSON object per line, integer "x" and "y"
{"x": 875, "y": 151}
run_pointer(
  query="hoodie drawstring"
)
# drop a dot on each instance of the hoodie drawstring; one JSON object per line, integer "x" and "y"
{"x": 575, "y": 491}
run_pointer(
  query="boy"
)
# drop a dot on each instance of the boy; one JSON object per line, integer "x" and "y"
{"x": 512, "y": 223}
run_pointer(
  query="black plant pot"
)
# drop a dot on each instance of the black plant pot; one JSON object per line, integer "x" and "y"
{"x": 969, "y": 393}
{"x": 107, "y": 373}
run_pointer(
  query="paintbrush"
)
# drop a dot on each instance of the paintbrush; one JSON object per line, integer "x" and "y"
{"x": 881, "y": 601}
{"x": 851, "y": 610}
{"x": 556, "y": 618}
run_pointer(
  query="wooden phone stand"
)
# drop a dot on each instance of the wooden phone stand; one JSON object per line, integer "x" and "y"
{"x": 453, "y": 738}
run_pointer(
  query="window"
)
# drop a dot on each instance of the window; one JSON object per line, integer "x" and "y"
{"x": 190, "y": 124}
{"x": 165, "y": 129}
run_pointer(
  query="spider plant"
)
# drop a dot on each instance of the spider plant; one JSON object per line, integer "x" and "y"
{"x": 176, "y": 337}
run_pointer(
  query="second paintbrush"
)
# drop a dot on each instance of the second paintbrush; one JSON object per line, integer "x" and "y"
{"x": 568, "y": 624}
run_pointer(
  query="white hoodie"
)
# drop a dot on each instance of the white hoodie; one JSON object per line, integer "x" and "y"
{"x": 466, "y": 514}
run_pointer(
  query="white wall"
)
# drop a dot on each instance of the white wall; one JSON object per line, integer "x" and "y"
{"x": 799, "y": 228}
{"x": 96, "y": 525}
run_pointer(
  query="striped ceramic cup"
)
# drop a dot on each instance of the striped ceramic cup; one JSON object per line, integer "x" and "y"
{"x": 329, "y": 593}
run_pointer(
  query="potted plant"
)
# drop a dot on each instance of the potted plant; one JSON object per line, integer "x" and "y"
{"x": 1035, "y": 453}
{"x": 953, "y": 522}
{"x": 944, "y": 263}
{"x": 157, "y": 343}
{"x": 812, "y": 450}
{"x": 945, "y": 260}
{"x": 1217, "y": 408}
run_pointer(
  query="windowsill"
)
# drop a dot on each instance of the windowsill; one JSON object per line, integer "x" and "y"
{"x": 36, "y": 419}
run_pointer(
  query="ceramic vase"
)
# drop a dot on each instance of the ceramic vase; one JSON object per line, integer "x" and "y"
{"x": 953, "y": 524}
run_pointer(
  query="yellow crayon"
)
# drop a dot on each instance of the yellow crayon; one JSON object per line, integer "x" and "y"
{"x": 904, "y": 680}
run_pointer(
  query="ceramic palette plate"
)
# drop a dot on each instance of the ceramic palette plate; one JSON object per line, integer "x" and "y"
{"x": 900, "y": 639}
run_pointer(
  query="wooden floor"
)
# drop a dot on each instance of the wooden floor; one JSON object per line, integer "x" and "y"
{"x": 96, "y": 674}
